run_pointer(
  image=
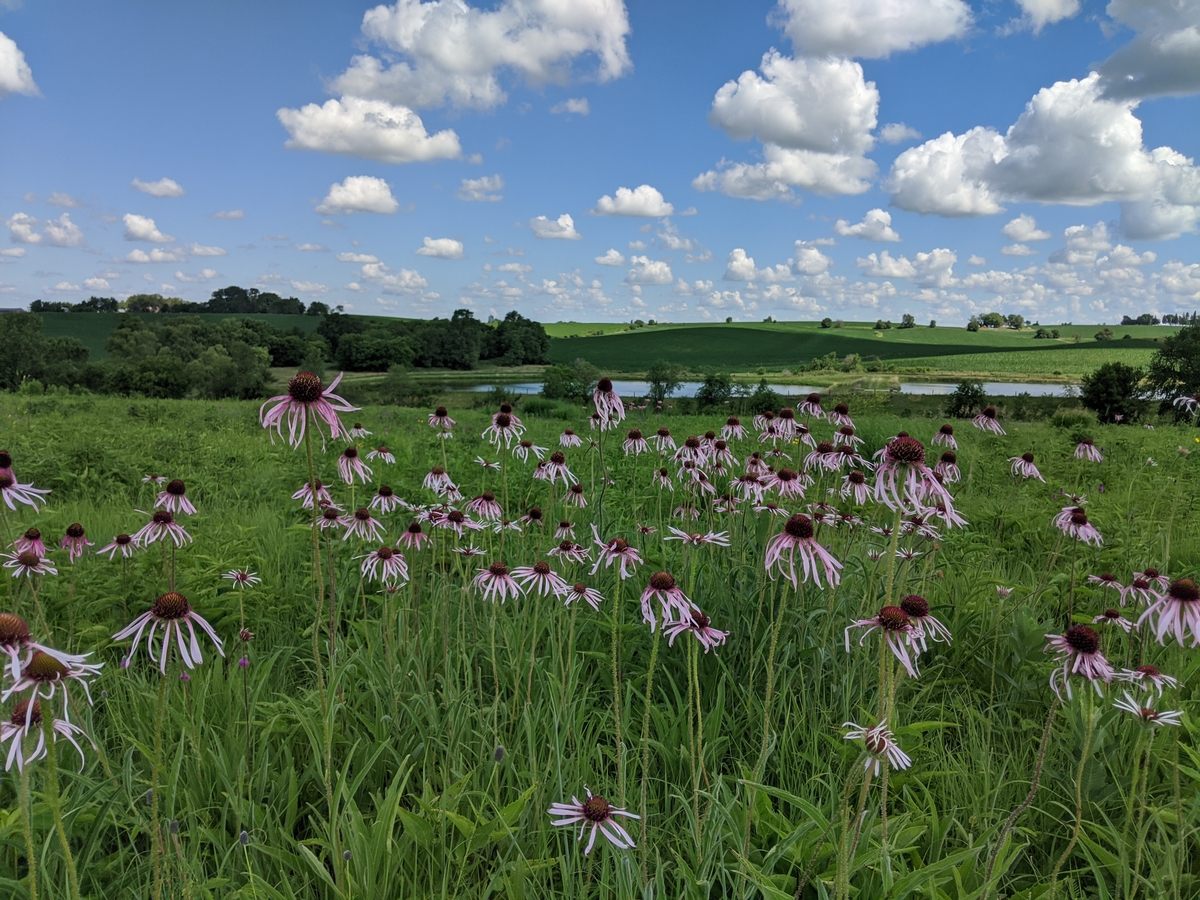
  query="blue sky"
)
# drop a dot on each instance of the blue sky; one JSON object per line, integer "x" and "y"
{"x": 595, "y": 160}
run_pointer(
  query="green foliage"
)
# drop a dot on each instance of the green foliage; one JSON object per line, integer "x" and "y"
{"x": 575, "y": 382}
{"x": 518, "y": 341}
{"x": 26, "y": 354}
{"x": 401, "y": 388}
{"x": 1105, "y": 334}
{"x": 1114, "y": 392}
{"x": 973, "y": 324}
{"x": 665, "y": 378}
{"x": 827, "y": 322}
{"x": 763, "y": 399}
{"x": 908, "y": 320}
{"x": 992, "y": 320}
{"x": 1015, "y": 321}
{"x": 967, "y": 400}
{"x": 1174, "y": 370}
{"x": 716, "y": 390}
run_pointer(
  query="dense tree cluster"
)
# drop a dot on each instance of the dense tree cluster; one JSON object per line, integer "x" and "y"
{"x": 232, "y": 299}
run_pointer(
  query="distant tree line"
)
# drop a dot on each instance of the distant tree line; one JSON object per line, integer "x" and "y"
{"x": 232, "y": 299}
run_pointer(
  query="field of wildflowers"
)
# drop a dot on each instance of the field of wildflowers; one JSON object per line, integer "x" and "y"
{"x": 387, "y": 653}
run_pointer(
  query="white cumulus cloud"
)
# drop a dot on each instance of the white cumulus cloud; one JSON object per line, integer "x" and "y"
{"x": 406, "y": 281}
{"x": 782, "y": 170}
{"x": 642, "y": 200}
{"x": 230, "y": 214}
{"x": 1040, "y": 13}
{"x": 202, "y": 250}
{"x": 741, "y": 267}
{"x": 359, "y": 193}
{"x": 15, "y": 75}
{"x": 876, "y": 225}
{"x": 611, "y": 258}
{"x": 1018, "y": 250}
{"x": 1164, "y": 56}
{"x": 648, "y": 271}
{"x": 357, "y": 258}
{"x": 482, "y": 190}
{"x": 60, "y": 232}
{"x": 370, "y": 129}
{"x": 96, "y": 284}
{"x": 562, "y": 228}
{"x": 809, "y": 260}
{"x": 871, "y": 28}
{"x": 441, "y": 248}
{"x": 199, "y": 278}
{"x": 577, "y": 106}
{"x": 164, "y": 187}
{"x": 1023, "y": 229}
{"x": 898, "y": 133}
{"x": 157, "y": 255}
{"x": 142, "y": 228}
{"x": 308, "y": 287}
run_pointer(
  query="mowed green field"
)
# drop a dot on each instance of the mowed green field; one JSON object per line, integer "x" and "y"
{"x": 790, "y": 344}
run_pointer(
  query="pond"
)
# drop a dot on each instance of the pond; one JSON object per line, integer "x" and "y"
{"x": 689, "y": 388}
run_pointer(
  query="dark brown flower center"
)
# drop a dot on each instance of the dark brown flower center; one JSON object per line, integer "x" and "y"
{"x": 800, "y": 527}
{"x": 503, "y": 420}
{"x": 785, "y": 475}
{"x": 386, "y": 491}
{"x": 21, "y": 710}
{"x": 846, "y": 431}
{"x": 915, "y": 605}
{"x": 558, "y": 458}
{"x": 663, "y": 473}
{"x": 441, "y": 412}
{"x": 329, "y": 514}
{"x": 733, "y": 421}
{"x": 350, "y": 453}
{"x": 1151, "y": 573}
{"x": 506, "y": 408}
{"x": 787, "y": 412}
{"x": 362, "y": 514}
{"x": 569, "y": 432}
{"x": 604, "y": 385}
{"x": 305, "y": 387}
{"x": 75, "y": 531}
{"x": 700, "y": 620}
{"x": 535, "y": 514}
{"x": 33, "y": 534}
{"x": 893, "y": 618}
{"x": 170, "y": 606}
{"x": 662, "y": 581}
{"x": 1112, "y": 614}
{"x": 692, "y": 443}
{"x": 577, "y": 489}
{"x": 946, "y": 430}
{"x": 596, "y": 808}
{"x": 875, "y": 742}
{"x": 906, "y": 450}
{"x": 414, "y": 528}
{"x": 1148, "y": 671}
{"x": 1027, "y": 457}
{"x": 1088, "y": 442}
{"x": 163, "y": 517}
{"x": 842, "y": 409}
{"x": 620, "y": 545}
{"x": 1082, "y": 639}
{"x": 29, "y": 559}
{"x": 541, "y": 568}
{"x": 526, "y": 444}
{"x": 385, "y": 553}
{"x": 5, "y": 459}
{"x": 857, "y": 477}
{"x": 14, "y": 631}
{"x": 663, "y": 432}
{"x": 498, "y": 570}
{"x": 635, "y": 434}
{"x": 950, "y": 458}
{"x": 989, "y": 412}
{"x": 6, "y": 482}
{"x": 1184, "y": 590}
{"x": 825, "y": 447}
{"x": 720, "y": 446}
{"x": 456, "y": 517}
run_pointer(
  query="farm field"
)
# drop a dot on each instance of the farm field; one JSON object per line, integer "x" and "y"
{"x": 372, "y": 733}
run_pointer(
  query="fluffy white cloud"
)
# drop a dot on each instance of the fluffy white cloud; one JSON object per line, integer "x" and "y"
{"x": 164, "y": 187}
{"x": 871, "y": 28}
{"x": 142, "y": 228}
{"x": 231, "y": 214}
{"x": 515, "y": 268}
{"x": 356, "y": 258}
{"x": 65, "y": 287}
{"x": 1164, "y": 55}
{"x": 66, "y": 201}
{"x": 157, "y": 255}
{"x": 648, "y": 271}
{"x": 1040, "y": 13}
{"x": 406, "y": 281}
{"x": 783, "y": 169}
{"x": 15, "y": 75}
{"x": 876, "y": 225}
{"x": 562, "y": 228}
{"x": 642, "y": 200}
{"x": 312, "y": 248}
{"x": 371, "y": 129}
{"x": 359, "y": 193}
{"x": 1018, "y": 250}
{"x": 932, "y": 269}
{"x": 441, "y": 248}
{"x": 577, "y": 106}
{"x": 202, "y": 250}
{"x": 451, "y": 52}
{"x": 940, "y": 177}
{"x": 199, "y": 278}
{"x": 96, "y": 284}
{"x": 1181, "y": 280}
{"x": 1024, "y": 229}
{"x": 60, "y": 232}
{"x": 741, "y": 267}
{"x": 974, "y": 260}
{"x": 308, "y": 287}
{"x": 13, "y": 252}
{"x": 482, "y": 190}
{"x": 611, "y": 258}
{"x": 898, "y": 133}
{"x": 801, "y": 104}
{"x": 809, "y": 260}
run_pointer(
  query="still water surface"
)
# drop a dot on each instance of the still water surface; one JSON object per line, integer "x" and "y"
{"x": 689, "y": 388}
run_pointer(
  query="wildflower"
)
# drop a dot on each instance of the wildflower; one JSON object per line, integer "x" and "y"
{"x": 608, "y": 405}
{"x": 526, "y": 447}
{"x": 31, "y": 542}
{"x": 1023, "y": 466}
{"x": 162, "y": 525}
{"x": 898, "y": 633}
{"x": 823, "y": 457}
{"x": 540, "y": 578}
{"x": 569, "y": 439}
{"x": 750, "y": 487}
{"x": 358, "y": 432}
{"x": 533, "y": 517}
{"x": 726, "y": 504}
{"x": 385, "y": 500}
{"x": 382, "y": 453}
{"x": 1154, "y": 576}
{"x": 574, "y": 497}
{"x": 385, "y": 564}
{"x": 15, "y": 639}
{"x": 570, "y": 552}
{"x": 986, "y": 421}
{"x": 733, "y": 429}
{"x": 581, "y": 591}
{"x": 1149, "y": 716}
{"x": 494, "y": 581}
{"x": 1176, "y": 612}
{"x": 1078, "y": 650}
{"x": 924, "y": 624}
{"x": 691, "y": 451}
{"x": 881, "y": 746}
{"x": 634, "y": 443}
{"x": 785, "y": 483}
{"x": 440, "y": 418}
{"x": 485, "y": 507}
{"x": 662, "y": 440}
{"x": 662, "y": 479}
{"x": 242, "y": 578}
{"x": 556, "y": 467}
{"x": 466, "y": 552}
{"x": 798, "y": 537}
{"x": 663, "y": 588}
{"x": 945, "y": 437}
{"x": 122, "y": 544}
{"x": 349, "y": 466}
{"x": 456, "y": 520}
{"x": 306, "y": 399}
{"x": 310, "y": 490}
{"x": 171, "y": 611}
{"x": 153, "y": 479}
{"x": 6, "y": 462}
{"x": 361, "y": 524}
{"x": 720, "y": 538}
{"x": 505, "y": 525}
{"x": 699, "y": 626}
{"x": 13, "y": 493}
{"x": 506, "y": 409}
{"x": 1188, "y": 404}
{"x": 564, "y": 531}
{"x": 26, "y": 721}
{"x": 617, "y": 551}
{"x": 903, "y": 474}
{"x": 331, "y": 517}
{"x": 847, "y": 435}
{"x": 1003, "y": 592}
{"x": 840, "y": 415}
{"x": 1073, "y": 522}
{"x": 1138, "y": 589}
{"x": 1148, "y": 678}
{"x": 1107, "y": 581}
{"x": 414, "y": 537}
{"x": 597, "y": 812}
{"x": 1086, "y": 449}
{"x": 1113, "y": 617}
{"x": 803, "y": 435}
{"x": 502, "y": 429}
{"x": 773, "y": 509}
{"x": 812, "y": 407}
{"x": 947, "y": 467}
{"x": 437, "y": 480}
{"x": 479, "y": 460}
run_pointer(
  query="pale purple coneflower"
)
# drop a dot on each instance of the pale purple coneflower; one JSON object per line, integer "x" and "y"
{"x": 880, "y": 745}
{"x": 850, "y": 520}
{"x": 306, "y": 494}
{"x": 480, "y": 461}
{"x": 750, "y": 487}
{"x": 986, "y": 421}
{"x": 662, "y": 479}
{"x": 540, "y": 579}
{"x": 721, "y": 454}
{"x": 575, "y": 497}
{"x": 242, "y": 578}
{"x": 811, "y": 407}
{"x": 122, "y": 543}
{"x": 6, "y": 462}
{"x": 494, "y": 583}
{"x": 898, "y": 633}
{"x": 525, "y": 448}
{"x": 569, "y": 551}
{"x": 1073, "y": 522}
{"x": 902, "y": 474}
{"x": 855, "y": 484}
{"x": 467, "y": 552}
{"x": 770, "y": 508}
{"x": 662, "y": 440}
{"x": 646, "y": 529}
{"x": 1113, "y": 617}
{"x": 440, "y": 418}
{"x": 685, "y": 510}
{"x": 848, "y": 455}
{"x": 385, "y": 565}
{"x": 358, "y": 432}
{"x": 173, "y": 613}
{"x": 1078, "y": 650}
{"x": 1148, "y": 678}
{"x": 1140, "y": 589}
{"x": 692, "y": 450}
{"x": 918, "y": 523}
{"x": 1153, "y": 576}
{"x": 331, "y": 517}
{"x": 786, "y": 483}
{"x": 1023, "y": 467}
{"x": 785, "y": 421}
{"x": 1003, "y": 592}
{"x": 26, "y": 721}
{"x": 75, "y": 542}
{"x": 1190, "y": 404}
{"x": 635, "y": 443}
{"x": 1107, "y": 581}
{"x": 764, "y": 419}
{"x": 456, "y": 520}
{"x": 30, "y": 541}
{"x": 557, "y": 470}
{"x": 569, "y": 439}
{"x": 16, "y": 639}
{"x": 597, "y": 812}
{"x": 361, "y": 524}
{"x": 385, "y": 500}
{"x": 506, "y": 525}
{"x": 535, "y": 516}
{"x": 692, "y": 621}
{"x": 506, "y": 409}
{"x": 618, "y": 551}
{"x": 414, "y": 537}
{"x": 382, "y": 453}
{"x": 437, "y": 480}
{"x": 486, "y": 507}
{"x": 947, "y": 467}
{"x": 726, "y": 503}
{"x": 798, "y": 537}
{"x": 848, "y": 435}
{"x": 13, "y": 493}
{"x": 733, "y": 429}
{"x": 564, "y": 531}
{"x": 916, "y": 608}
{"x": 945, "y": 437}
{"x": 350, "y": 465}
{"x": 1086, "y": 449}
{"x": 948, "y": 515}
{"x": 840, "y": 415}
{"x": 580, "y": 591}
{"x": 162, "y": 526}
{"x": 907, "y": 553}
{"x": 1148, "y": 715}
{"x": 154, "y": 479}
{"x": 691, "y": 474}
{"x": 823, "y": 458}
{"x": 608, "y": 405}
{"x": 719, "y": 538}
{"x": 771, "y": 433}
{"x": 756, "y": 465}
{"x": 804, "y": 436}
{"x": 306, "y": 399}
{"x": 1176, "y": 612}
{"x": 502, "y": 430}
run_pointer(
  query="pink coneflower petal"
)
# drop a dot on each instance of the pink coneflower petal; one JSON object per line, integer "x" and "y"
{"x": 75, "y": 542}
{"x": 898, "y": 632}
{"x": 1176, "y": 612}
{"x": 171, "y": 612}
{"x": 1078, "y": 650}
{"x": 694, "y": 622}
{"x": 540, "y": 579}
{"x": 1148, "y": 715}
{"x": 13, "y": 493}
{"x": 798, "y": 539}
{"x": 242, "y": 578}
{"x": 986, "y": 421}
{"x": 306, "y": 401}
{"x": 495, "y": 583}
{"x": 1073, "y": 522}
{"x": 880, "y": 745}
{"x": 616, "y": 552}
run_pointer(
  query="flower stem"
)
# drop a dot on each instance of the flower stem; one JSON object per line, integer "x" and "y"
{"x": 155, "y": 776}
{"x": 646, "y": 746}
{"x": 27, "y": 828}
{"x": 616, "y": 675}
{"x": 1083, "y": 758}
{"x": 55, "y": 800}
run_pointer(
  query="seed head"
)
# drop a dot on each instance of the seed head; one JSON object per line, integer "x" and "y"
{"x": 305, "y": 387}
{"x": 441, "y": 411}
{"x": 21, "y": 710}
{"x": 535, "y": 513}
{"x": 989, "y": 412}
{"x": 541, "y": 568}
{"x": 176, "y": 487}
{"x": 733, "y": 421}
{"x": 498, "y": 570}
{"x": 692, "y": 443}
{"x": 558, "y": 458}
{"x": 950, "y": 458}
{"x": 604, "y": 385}
{"x": 29, "y": 559}
{"x": 414, "y": 528}
{"x": 947, "y": 430}
{"x": 170, "y": 606}
{"x": 787, "y": 413}
{"x": 385, "y": 553}
{"x": 1078, "y": 516}
{"x": 1027, "y": 457}
{"x": 503, "y": 420}
{"x": 386, "y": 491}
{"x": 32, "y": 534}
{"x": 842, "y": 409}
{"x": 75, "y": 530}
{"x": 800, "y": 527}
{"x": 857, "y": 477}
{"x": 13, "y": 630}
{"x": 329, "y": 514}
{"x": 44, "y": 668}
{"x": 1082, "y": 639}
{"x": 162, "y": 517}
{"x": 5, "y": 459}
{"x": 1184, "y": 590}
{"x": 906, "y": 450}
{"x": 825, "y": 447}
{"x": 915, "y": 605}
{"x": 662, "y": 581}
{"x": 893, "y": 618}
{"x": 596, "y": 808}
{"x": 1148, "y": 671}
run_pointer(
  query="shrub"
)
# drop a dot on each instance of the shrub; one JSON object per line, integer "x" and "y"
{"x": 967, "y": 398}
{"x": 1175, "y": 367}
{"x": 1114, "y": 392}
